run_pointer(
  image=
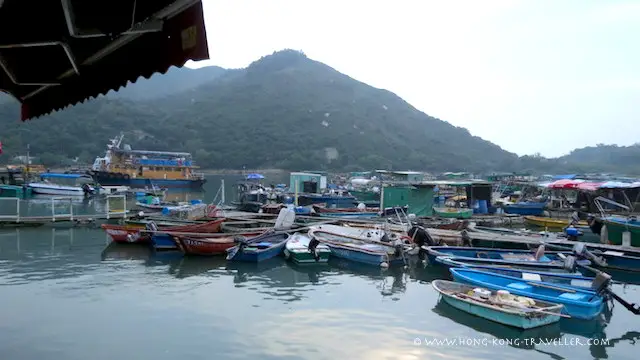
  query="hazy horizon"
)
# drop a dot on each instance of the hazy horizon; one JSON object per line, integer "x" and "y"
{"x": 530, "y": 76}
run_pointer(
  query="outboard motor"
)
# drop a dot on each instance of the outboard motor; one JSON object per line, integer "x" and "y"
{"x": 86, "y": 189}
{"x": 313, "y": 244}
{"x": 580, "y": 250}
{"x": 421, "y": 236}
{"x": 572, "y": 233}
{"x": 151, "y": 226}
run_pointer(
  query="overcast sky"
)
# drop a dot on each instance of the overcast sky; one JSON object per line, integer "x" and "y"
{"x": 532, "y": 76}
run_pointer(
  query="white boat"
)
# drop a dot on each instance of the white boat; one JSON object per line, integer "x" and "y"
{"x": 64, "y": 185}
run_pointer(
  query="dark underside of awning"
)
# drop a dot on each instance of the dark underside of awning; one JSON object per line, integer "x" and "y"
{"x": 58, "y": 53}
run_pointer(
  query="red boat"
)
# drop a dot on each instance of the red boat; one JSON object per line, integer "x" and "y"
{"x": 207, "y": 246}
{"x": 131, "y": 233}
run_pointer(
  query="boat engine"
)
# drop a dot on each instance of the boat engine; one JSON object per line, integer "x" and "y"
{"x": 313, "y": 244}
{"x": 580, "y": 250}
{"x": 86, "y": 189}
{"x": 421, "y": 236}
{"x": 151, "y": 226}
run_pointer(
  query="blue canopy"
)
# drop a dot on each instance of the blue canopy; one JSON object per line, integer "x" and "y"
{"x": 59, "y": 175}
{"x": 254, "y": 176}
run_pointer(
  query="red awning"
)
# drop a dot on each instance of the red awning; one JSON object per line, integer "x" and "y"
{"x": 565, "y": 184}
{"x": 58, "y": 53}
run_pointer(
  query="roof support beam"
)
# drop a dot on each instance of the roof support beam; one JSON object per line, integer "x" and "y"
{"x": 170, "y": 11}
{"x": 69, "y": 15}
{"x": 65, "y": 46}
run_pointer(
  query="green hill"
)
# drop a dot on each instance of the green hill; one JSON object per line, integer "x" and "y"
{"x": 283, "y": 111}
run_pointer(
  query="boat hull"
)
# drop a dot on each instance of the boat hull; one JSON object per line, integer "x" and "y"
{"x": 453, "y": 213}
{"x": 615, "y": 229}
{"x": 552, "y": 223}
{"x": 525, "y": 208}
{"x": 364, "y": 257}
{"x": 45, "y": 189}
{"x": 124, "y": 233}
{"x": 579, "y": 304}
{"x": 113, "y": 179}
{"x": 204, "y": 246}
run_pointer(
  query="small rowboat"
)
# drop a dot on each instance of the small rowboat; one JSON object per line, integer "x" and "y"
{"x": 454, "y": 262}
{"x": 260, "y": 248}
{"x": 575, "y": 280}
{"x": 578, "y": 303}
{"x": 303, "y": 250}
{"x": 131, "y": 233}
{"x": 500, "y": 307}
{"x": 551, "y": 223}
{"x": 457, "y": 213}
{"x": 367, "y": 246}
{"x": 500, "y": 256}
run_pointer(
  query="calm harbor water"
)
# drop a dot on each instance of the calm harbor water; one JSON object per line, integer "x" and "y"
{"x": 68, "y": 294}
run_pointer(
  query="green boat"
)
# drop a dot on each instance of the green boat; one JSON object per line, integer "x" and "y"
{"x": 455, "y": 213}
{"x": 617, "y": 225}
{"x": 297, "y": 250}
{"x": 14, "y": 191}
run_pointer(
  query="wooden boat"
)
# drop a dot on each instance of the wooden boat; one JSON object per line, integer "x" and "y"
{"x": 457, "y": 213}
{"x": 525, "y": 208}
{"x": 500, "y": 256}
{"x": 500, "y": 307}
{"x": 131, "y": 232}
{"x": 454, "y": 261}
{"x": 260, "y": 248}
{"x": 204, "y": 246}
{"x": 578, "y": 303}
{"x": 367, "y": 246}
{"x": 301, "y": 249}
{"x": 551, "y": 223}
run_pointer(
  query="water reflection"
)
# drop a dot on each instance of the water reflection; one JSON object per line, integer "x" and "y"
{"x": 357, "y": 311}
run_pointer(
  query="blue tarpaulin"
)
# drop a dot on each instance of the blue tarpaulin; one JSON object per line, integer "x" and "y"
{"x": 254, "y": 176}
{"x": 565, "y": 177}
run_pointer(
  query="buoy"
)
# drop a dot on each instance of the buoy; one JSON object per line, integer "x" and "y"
{"x": 384, "y": 265}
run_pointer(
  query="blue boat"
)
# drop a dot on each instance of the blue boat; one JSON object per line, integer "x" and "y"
{"x": 525, "y": 208}
{"x": 497, "y": 307}
{"x": 359, "y": 249}
{"x": 163, "y": 242}
{"x": 458, "y": 261}
{"x": 260, "y": 248}
{"x": 575, "y": 280}
{"x": 452, "y": 261}
{"x": 493, "y": 256}
{"x": 578, "y": 303}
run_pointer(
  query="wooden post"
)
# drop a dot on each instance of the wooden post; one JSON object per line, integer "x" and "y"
{"x": 295, "y": 203}
{"x": 17, "y": 210}
{"x": 222, "y": 186}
